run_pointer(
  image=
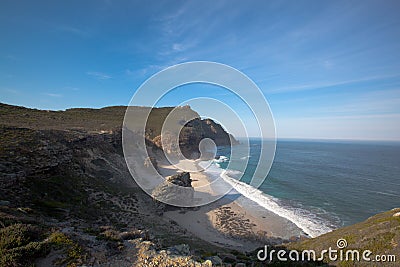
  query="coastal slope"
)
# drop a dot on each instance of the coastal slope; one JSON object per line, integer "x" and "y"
{"x": 66, "y": 192}
{"x": 379, "y": 234}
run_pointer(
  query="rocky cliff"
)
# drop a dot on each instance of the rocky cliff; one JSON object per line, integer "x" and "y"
{"x": 198, "y": 129}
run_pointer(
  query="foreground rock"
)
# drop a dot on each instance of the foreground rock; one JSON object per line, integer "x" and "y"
{"x": 176, "y": 189}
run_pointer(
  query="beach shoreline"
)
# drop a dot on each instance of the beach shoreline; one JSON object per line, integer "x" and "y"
{"x": 228, "y": 222}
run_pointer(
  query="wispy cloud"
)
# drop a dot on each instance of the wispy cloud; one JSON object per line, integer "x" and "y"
{"x": 72, "y": 30}
{"x": 345, "y": 105}
{"x": 71, "y": 88}
{"x": 10, "y": 91}
{"x": 356, "y": 127}
{"x": 377, "y": 102}
{"x": 53, "y": 95}
{"x": 180, "y": 29}
{"x": 154, "y": 68}
{"x": 314, "y": 86}
{"x": 177, "y": 47}
{"x": 149, "y": 70}
{"x": 99, "y": 75}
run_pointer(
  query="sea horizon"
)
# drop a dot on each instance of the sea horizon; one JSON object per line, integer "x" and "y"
{"x": 333, "y": 140}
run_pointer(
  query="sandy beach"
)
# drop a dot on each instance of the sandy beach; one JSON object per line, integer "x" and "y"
{"x": 226, "y": 222}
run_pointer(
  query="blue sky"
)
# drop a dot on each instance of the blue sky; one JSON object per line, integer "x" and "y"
{"x": 329, "y": 69}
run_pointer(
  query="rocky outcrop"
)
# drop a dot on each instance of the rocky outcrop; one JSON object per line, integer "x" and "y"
{"x": 190, "y": 136}
{"x": 168, "y": 143}
{"x": 176, "y": 189}
{"x": 196, "y": 130}
{"x": 181, "y": 179}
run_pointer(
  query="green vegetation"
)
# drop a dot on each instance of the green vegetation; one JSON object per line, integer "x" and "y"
{"x": 85, "y": 119}
{"x": 57, "y": 195}
{"x": 18, "y": 235}
{"x": 89, "y": 119}
{"x": 109, "y": 235}
{"x": 73, "y": 251}
{"x": 22, "y": 244}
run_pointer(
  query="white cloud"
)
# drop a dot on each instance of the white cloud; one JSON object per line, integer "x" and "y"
{"x": 99, "y": 75}
{"x": 313, "y": 86}
{"x": 372, "y": 102}
{"x": 328, "y": 64}
{"x": 72, "y": 30}
{"x": 177, "y": 47}
{"x": 53, "y": 95}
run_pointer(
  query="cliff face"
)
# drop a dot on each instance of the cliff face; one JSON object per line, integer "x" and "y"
{"x": 196, "y": 130}
{"x": 191, "y": 135}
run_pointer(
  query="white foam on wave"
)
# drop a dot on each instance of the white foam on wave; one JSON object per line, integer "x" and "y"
{"x": 221, "y": 159}
{"x": 233, "y": 172}
{"x": 302, "y": 218}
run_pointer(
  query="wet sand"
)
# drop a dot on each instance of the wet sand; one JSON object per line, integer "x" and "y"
{"x": 226, "y": 223}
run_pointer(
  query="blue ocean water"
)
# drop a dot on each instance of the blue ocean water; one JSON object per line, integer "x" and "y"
{"x": 325, "y": 185}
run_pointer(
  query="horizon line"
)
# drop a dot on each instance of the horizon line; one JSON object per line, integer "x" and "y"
{"x": 319, "y": 139}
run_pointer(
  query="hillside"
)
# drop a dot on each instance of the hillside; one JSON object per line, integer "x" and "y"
{"x": 85, "y": 119}
{"x": 66, "y": 195}
{"x": 380, "y": 234}
{"x": 110, "y": 119}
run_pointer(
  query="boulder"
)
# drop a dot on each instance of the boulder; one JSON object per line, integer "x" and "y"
{"x": 215, "y": 260}
{"x": 176, "y": 189}
{"x": 181, "y": 179}
{"x": 181, "y": 250}
{"x": 227, "y": 257}
{"x": 208, "y": 263}
{"x": 129, "y": 235}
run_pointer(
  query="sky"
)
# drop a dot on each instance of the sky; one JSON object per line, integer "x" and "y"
{"x": 328, "y": 69}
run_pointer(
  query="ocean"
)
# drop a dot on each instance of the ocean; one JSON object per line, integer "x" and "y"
{"x": 320, "y": 185}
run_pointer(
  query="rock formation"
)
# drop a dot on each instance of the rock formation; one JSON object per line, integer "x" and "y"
{"x": 176, "y": 189}
{"x": 191, "y": 135}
